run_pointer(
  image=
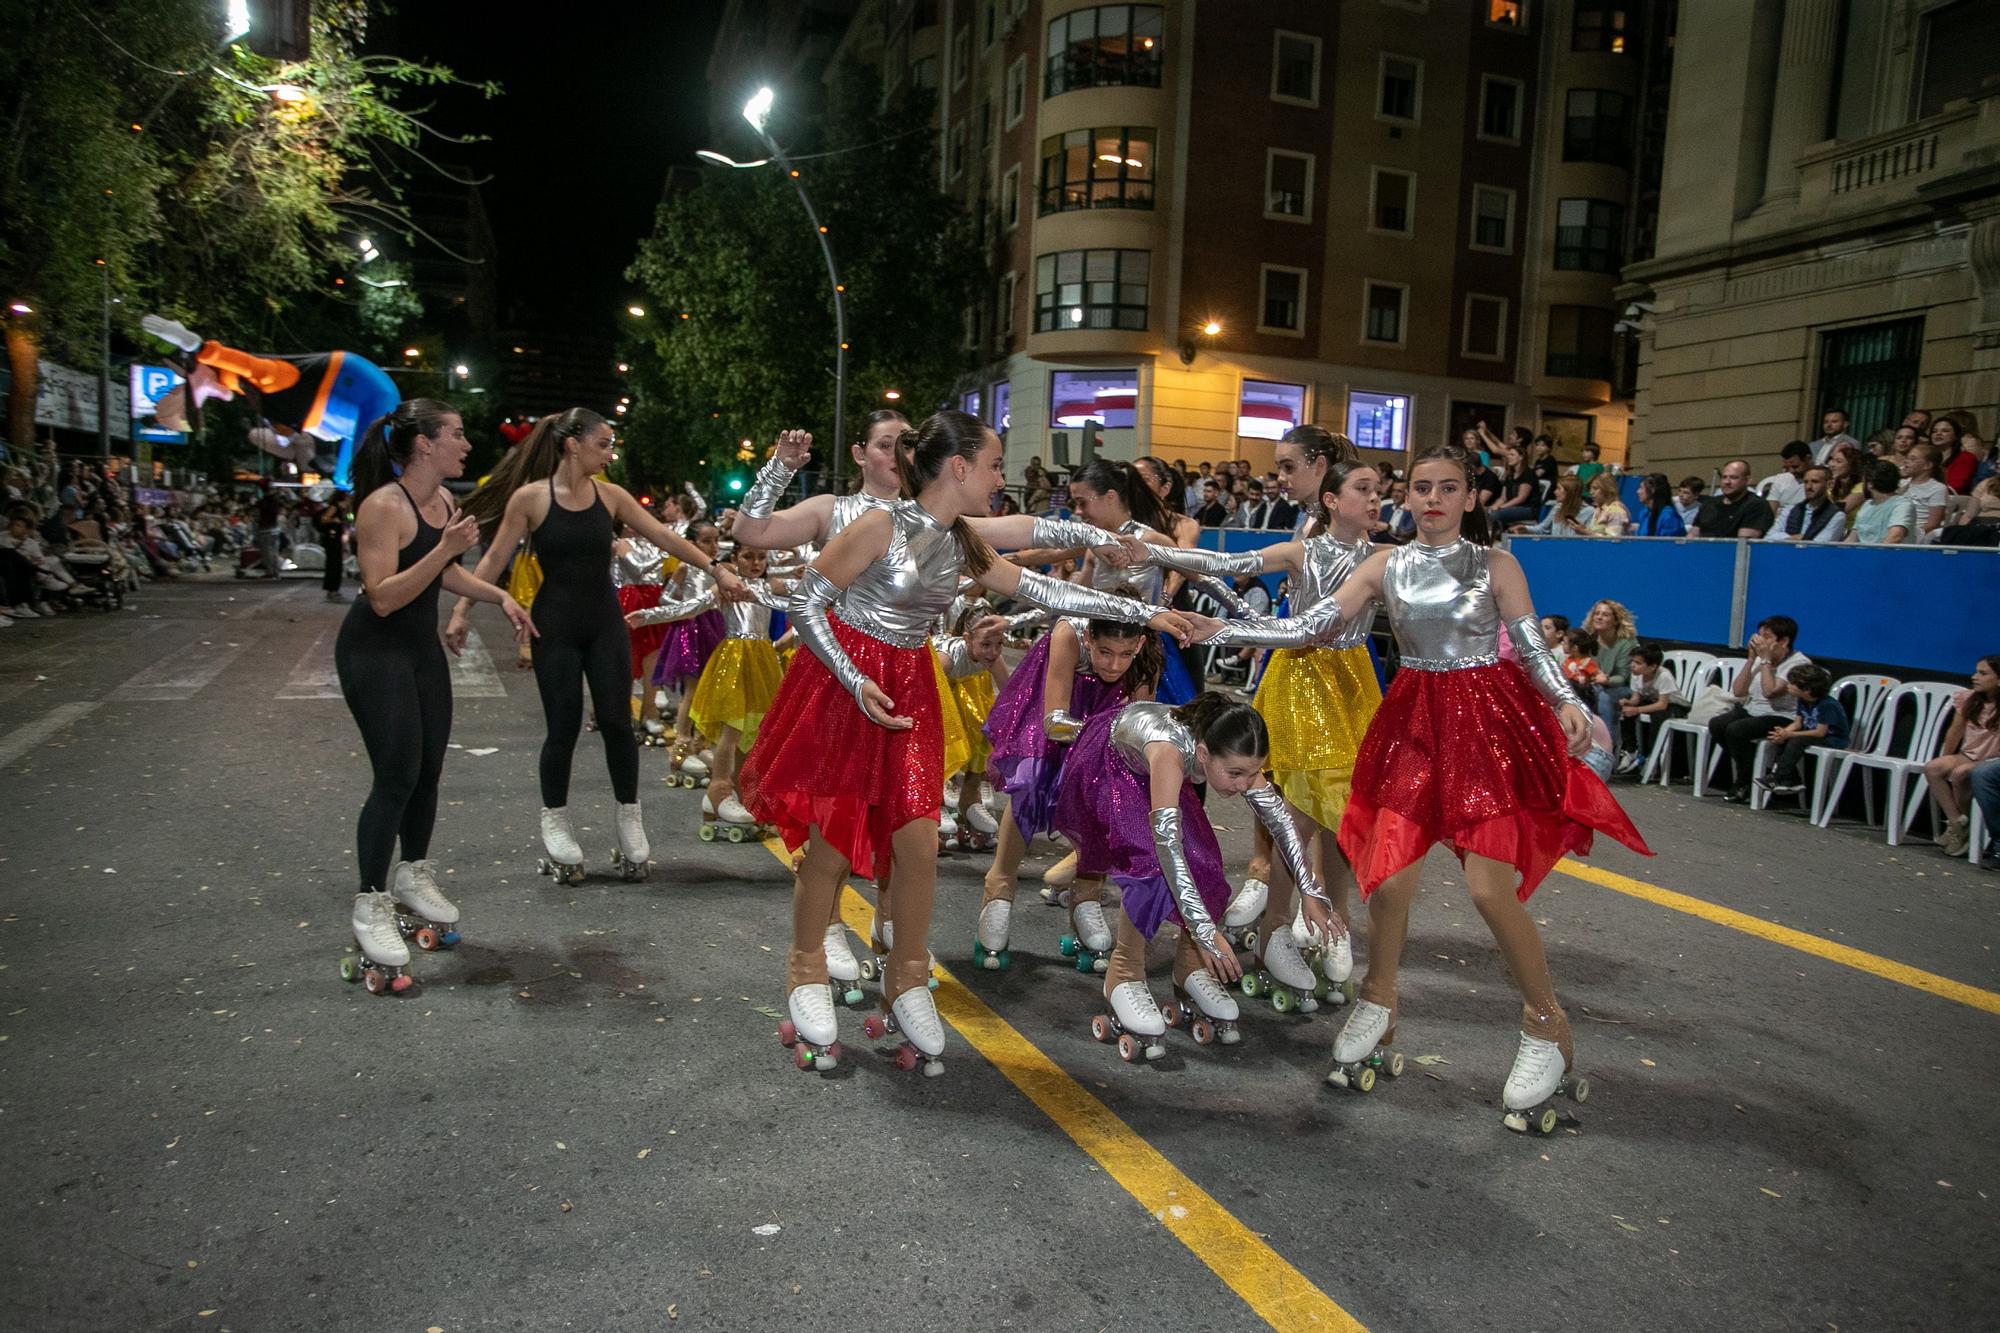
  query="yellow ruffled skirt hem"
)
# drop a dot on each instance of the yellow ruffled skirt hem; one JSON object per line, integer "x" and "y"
{"x": 957, "y": 748}
{"x": 975, "y": 695}
{"x": 1317, "y": 704}
{"x": 736, "y": 689}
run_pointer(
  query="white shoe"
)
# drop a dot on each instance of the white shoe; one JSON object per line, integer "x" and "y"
{"x": 632, "y": 835}
{"x": 1362, "y": 1033}
{"x": 1086, "y": 919}
{"x": 655, "y": 727}
{"x": 1209, "y": 996}
{"x": 24, "y": 612}
{"x": 1336, "y": 962}
{"x": 947, "y": 826}
{"x": 6, "y": 622}
{"x": 917, "y": 1016}
{"x": 416, "y": 887}
{"x": 981, "y": 819}
{"x": 1247, "y": 905}
{"x": 994, "y": 919}
{"x": 694, "y": 766}
{"x": 812, "y": 1014}
{"x": 375, "y": 930}
{"x": 841, "y": 963}
{"x": 732, "y": 811}
{"x": 1137, "y": 1012}
{"x": 661, "y": 701}
{"x": 1282, "y": 959}
{"x": 953, "y": 785}
{"x": 1537, "y": 1073}
{"x": 1062, "y": 874}
{"x": 558, "y": 838}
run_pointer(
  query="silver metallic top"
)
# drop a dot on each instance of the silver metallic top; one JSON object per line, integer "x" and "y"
{"x": 751, "y": 619}
{"x": 1146, "y": 579}
{"x": 900, "y": 596}
{"x": 1441, "y": 605}
{"x": 639, "y": 566}
{"x": 692, "y": 593}
{"x": 1140, "y": 725}
{"x": 847, "y": 508}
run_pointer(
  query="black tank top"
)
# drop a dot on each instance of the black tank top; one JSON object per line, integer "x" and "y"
{"x": 416, "y": 620}
{"x": 574, "y": 546}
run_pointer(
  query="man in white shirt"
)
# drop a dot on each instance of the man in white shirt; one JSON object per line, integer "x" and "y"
{"x": 1832, "y": 434}
{"x": 1921, "y": 487}
{"x": 1764, "y": 700}
{"x": 1815, "y": 518}
{"x": 1784, "y": 486}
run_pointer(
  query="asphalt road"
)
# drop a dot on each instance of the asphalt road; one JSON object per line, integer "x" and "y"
{"x": 581, "y": 1119}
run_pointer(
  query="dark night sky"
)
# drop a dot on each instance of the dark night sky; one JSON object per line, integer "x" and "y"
{"x": 598, "y": 101}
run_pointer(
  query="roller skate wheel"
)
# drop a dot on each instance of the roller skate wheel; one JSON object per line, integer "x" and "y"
{"x": 788, "y": 1032}
{"x": 933, "y": 1067}
{"x": 802, "y": 1056}
{"x": 1068, "y": 945}
{"x": 1128, "y": 1049}
{"x": 450, "y": 939}
{"x": 736, "y": 833}
{"x": 1100, "y": 1028}
{"x": 874, "y": 1027}
{"x": 1577, "y": 1088}
{"x": 906, "y": 1057}
{"x": 350, "y": 970}
{"x": 425, "y": 938}
{"x": 1251, "y": 984}
{"x": 706, "y": 833}
{"x": 1364, "y": 1079}
{"x": 1171, "y": 1014}
{"x": 1203, "y": 1033}
{"x": 830, "y": 1058}
{"x": 1250, "y": 940}
{"x": 931, "y": 983}
{"x": 1085, "y": 963}
{"x": 1393, "y": 1066}
{"x": 1282, "y": 999}
{"x": 374, "y": 981}
{"x": 399, "y": 984}
{"x": 852, "y": 995}
{"x": 869, "y": 970}
{"x": 1006, "y": 959}
{"x": 1347, "y": 991}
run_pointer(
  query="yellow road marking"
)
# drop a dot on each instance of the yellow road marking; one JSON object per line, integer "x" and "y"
{"x": 1886, "y": 968}
{"x": 1280, "y": 1295}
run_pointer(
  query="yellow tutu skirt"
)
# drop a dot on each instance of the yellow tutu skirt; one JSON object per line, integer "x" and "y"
{"x": 1317, "y": 703}
{"x": 735, "y": 689}
{"x": 957, "y": 749}
{"x": 526, "y": 580}
{"x": 975, "y": 695}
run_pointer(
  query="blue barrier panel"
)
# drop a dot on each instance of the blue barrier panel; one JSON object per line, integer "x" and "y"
{"x": 1676, "y": 588}
{"x": 1912, "y": 606}
{"x": 1247, "y": 539}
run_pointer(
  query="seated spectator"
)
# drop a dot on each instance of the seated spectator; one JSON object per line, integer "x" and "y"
{"x": 1815, "y": 518}
{"x": 1570, "y": 515}
{"x": 1589, "y": 467}
{"x": 1832, "y": 434}
{"x": 1955, "y": 466}
{"x": 1902, "y": 440}
{"x": 1541, "y": 461}
{"x": 1617, "y": 635}
{"x": 1972, "y": 739}
{"x": 1553, "y": 630}
{"x": 1580, "y": 657}
{"x": 1986, "y": 791}
{"x": 1921, "y": 487}
{"x": 1487, "y": 482}
{"x": 1881, "y": 444}
{"x": 1212, "y": 513}
{"x": 1821, "y": 720}
{"x": 1658, "y": 516}
{"x": 1734, "y": 510}
{"x": 1784, "y": 487}
{"x": 1764, "y": 700}
{"x": 1919, "y": 420}
{"x": 1520, "y": 493}
{"x": 1255, "y": 511}
{"x": 1687, "y": 501}
{"x": 1608, "y": 515}
{"x": 1884, "y": 518}
{"x": 1655, "y": 694}
{"x": 1849, "y": 469}
{"x": 1981, "y": 524}
{"x": 1982, "y": 450}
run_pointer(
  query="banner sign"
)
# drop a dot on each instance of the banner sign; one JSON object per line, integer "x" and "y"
{"x": 149, "y": 385}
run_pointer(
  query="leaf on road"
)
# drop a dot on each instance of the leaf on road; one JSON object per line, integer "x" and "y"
{"x": 1432, "y": 1060}
{"x": 1773, "y": 1193}
{"x": 485, "y": 750}
{"x": 566, "y": 1205}
{"x": 766, "y": 1010}
{"x": 644, "y": 1153}
{"x": 1649, "y": 1064}
{"x": 1627, "y": 1226}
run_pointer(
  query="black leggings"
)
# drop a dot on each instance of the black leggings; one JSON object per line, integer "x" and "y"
{"x": 563, "y": 662}
{"x": 402, "y": 703}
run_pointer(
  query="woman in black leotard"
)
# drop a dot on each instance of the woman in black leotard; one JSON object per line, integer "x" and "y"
{"x": 547, "y": 488}
{"x": 393, "y": 673}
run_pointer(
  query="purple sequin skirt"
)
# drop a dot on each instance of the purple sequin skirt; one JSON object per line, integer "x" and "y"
{"x": 687, "y": 648}
{"x": 1106, "y": 810}
{"x": 1025, "y": 763}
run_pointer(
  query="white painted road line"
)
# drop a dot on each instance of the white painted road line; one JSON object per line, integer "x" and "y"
{"x": 472, "y": 672}
{"x": 184, "y": 672}
{"x": 314, "y": 676}
{"x": 27, "y": 736}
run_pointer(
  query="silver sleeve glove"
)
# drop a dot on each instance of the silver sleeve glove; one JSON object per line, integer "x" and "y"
{"x": 1539, "y": 662}
{"x": 1180, "y": 878}
{"x": 1223, "y": 563}
{"x": 1059, "y": 724}
{"x": 693, "y": 603}
{"x": 1323, "y": 622}
{"x": 1277, "y": 821}
{"x": 1218, "y": 591}
{"x": 700, "y": 505}
{"x": 773, "y": 480}
{"x": 1064, "y": 534}
{"x": 761, "y": 593}
{"x": 1033, "y": 616}
{"x": 1073, "y": 599}
{"x": 812, "y": 600}
{"x": 641, "y": 559}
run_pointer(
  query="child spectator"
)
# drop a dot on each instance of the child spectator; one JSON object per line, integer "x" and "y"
{"x": 1922, "y": 488}
{"x": 1580, "y": 660}
{"x": 1820, "y": 721}
{"x": 1567, "y": 518}
{"x": 1973, "y": 738}
{"x": 1655, "y": 694}
{"x": 1687, "y": 500}
{"x": 1884, "y": 518}
{"x": 1553, "y": 630}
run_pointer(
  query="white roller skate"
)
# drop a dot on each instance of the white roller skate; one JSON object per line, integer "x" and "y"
{"x": 423, "y": 914}
{"x": 1334, "y": 962}
{"x": 1361, "y": 1051}
{"x": 383, "y": 953}
{"x": 989, "y": 939}
{"x": 653, "y": 733}
{"x": 1540, "y": 1073}
{"x": 981, "y": 819}
{"x": 1057, "y": 878}
{"x": 883, "y": 942}
{"x": 564, "y": 862}
{"x": 1239, "y": 919}
{"x": 811, "y": 1033}
{"x": 1090, "y": 939}
{"x": 1283, "y": 974}
{"x": 1209, "y": 1011}
{"x": 634, "y": 854}
{"x": 684, "y": 767}
{"x": 841, "y": 965}
{"x": 914, "y": 1014}
{"x": 1135, "y": 1022}
{"x": 731, "y": 821}
{"x": 947, "y": 831}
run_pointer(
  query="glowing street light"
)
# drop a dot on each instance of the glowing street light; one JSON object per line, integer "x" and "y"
{"x": 636, "y": 311}
{"x": 716, "y": 159}
{"x": 22, "y": 308}
{"x": 412, "y": 353}
{"x": 758, "y": 109}
{"x": 891, "y": 394}
{"x": 461, "y": 370}
{"x": 1211, "y": 328}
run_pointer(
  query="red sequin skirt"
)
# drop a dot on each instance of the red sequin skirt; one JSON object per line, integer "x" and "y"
{"x": 819, "y": 763}
{"x": 647, "y": 638}
{"x": 1475, "y": 759}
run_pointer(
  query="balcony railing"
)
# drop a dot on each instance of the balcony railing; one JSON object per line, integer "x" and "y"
{"x": 1578, "y": 366}
{"x": 1884, "y": 168}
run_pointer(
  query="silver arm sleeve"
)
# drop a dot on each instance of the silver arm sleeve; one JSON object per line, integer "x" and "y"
{"x": 1277, "y": 821}
{"x": 679, "y": 608}
{"x": 1322, "y": 622}
{"x": 811, "y": 602}
{"x": 700, "y": 505}
{"x": 1059, "y": 725}
{"x": 1063, "y": 534}
{"x": 1029, "y": 618}
{"x": 1219, "y": 591}
{"x": 773, "y": 480}
{"x": 762, "y": 594}
{"x": 640, "y": 559}
{"x": 1180, "y": 878}
{"x": 1539, "y": 662}
{"x": 1205, "y": 562}
{"x": 1075, "y": 600}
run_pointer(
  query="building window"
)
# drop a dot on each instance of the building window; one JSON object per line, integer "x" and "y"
{"x": 1950, "y": 61}
{"x": 1493, "y": 219}
{"x": 1602, "y": 25}
{"x": 1111, "y": 168}
{"x": 1295, "y": 69}
{"x": 961, "y": 57}
{"x": 1282, "y": 300}
{"x": 1003, "y": 406}
{"x": 1288, "y": 183}
{"x": 1009, "y": 283}
{"x": 1400, "y": 89}
{"x": 1590, "y": 235}
{"x": 1010, "y": 198}
{"x": 1597, "y": 127}
{"x": 1385, "y": 305}
{"x": 958, "y": 150}
{"x": 1485, "y": 328}
{"x": 924, "y": 73}
{"x": 1108, "y": 397}
{"x": 1378, "y": 420}
{"x": 1870, "y": 373}
{"x": 1507, "y": 14}
{"x": 1392, "y": 205}
{"x": 1110, "y": 46}
{"x": 1579, "y": 343}
{"x": 1017, "y": 91}
{"x": 992, "y": 27}
{"x": 1266, "y": 411}
{"x": 972, "y": 403}
{"x": 1500, "y": 108}
{"x": 1091, "y": 289}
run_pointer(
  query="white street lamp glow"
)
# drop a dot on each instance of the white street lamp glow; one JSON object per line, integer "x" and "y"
{"x": 636, "y": 311}
{"x": 461, "y": 371}
{"x": 758, "y": 109}
{"x": 239, "y": 19}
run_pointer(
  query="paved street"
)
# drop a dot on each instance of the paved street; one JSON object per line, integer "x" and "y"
{"x": 581, "y": 1118}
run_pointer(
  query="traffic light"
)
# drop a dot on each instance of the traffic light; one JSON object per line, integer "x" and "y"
{"x": 736, "y": 484}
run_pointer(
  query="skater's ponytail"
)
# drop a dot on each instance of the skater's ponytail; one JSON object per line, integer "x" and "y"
{"x": 1327, "y": 449}
{"x": 1475, "y": 528}
{"x": 535, "y": 458}
{"x": 921, "y": 455}
{"x": 1227, "y": 728}
{"x": 1124, "y": 481}
{"x": 385, "y": 446}
{"x": 1144, "y": 673}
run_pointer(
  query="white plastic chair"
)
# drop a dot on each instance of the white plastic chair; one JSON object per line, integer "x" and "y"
{"x": 1975, "y": 850}
{"x": 1862, "y": 697}
{"x": 1685, "y": 665}
{"x": 1929, "y": 705}
{"x": 1720, "y": 672}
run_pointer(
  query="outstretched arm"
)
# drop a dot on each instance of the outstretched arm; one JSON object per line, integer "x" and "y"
{"x": 1073, "y": 599}
{"x": 1167, "y": 776}
{"x": 853, "y": 550}
{"x": 1517, "y": 610}
{"x": 625, "y": 509}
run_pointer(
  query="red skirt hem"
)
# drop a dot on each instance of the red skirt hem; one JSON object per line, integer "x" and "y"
{"x": 646, "y": 639}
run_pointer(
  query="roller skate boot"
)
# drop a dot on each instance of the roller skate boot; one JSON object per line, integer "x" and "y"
{"x": 1090, "y": 939}
{"x": 1057, "y": 878}
{"x": 653, "y": 733}
{"x": 684, "y": 766}
{"x": 1540, "y": 1074}
{"x": 1282, "y": 974}
{"x": 564, "y": 862}
{"x": 915, "y": 1015}
{"x": 842, "y": 968}
{"x": 634, "y": 853}
{"x": 1135, "y": 1023}
{"x": 810, "y": 1032}
{"x": 1208, "y": 1010}
{"x": 947, "y": 832}
{"x": 1333, "y": 962}
{"x": 423, "y": 914}
{"x": 884, "y": 940}
{"x": 1361, "y": 1051}
{"x": 383, "y": 953}
{"x": 989, "y": 939}
{"x": 1239, "y": 919}
{"x": 731, "y": 821}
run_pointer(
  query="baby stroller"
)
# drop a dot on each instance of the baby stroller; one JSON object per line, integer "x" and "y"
{"x": 100, "y": 577}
